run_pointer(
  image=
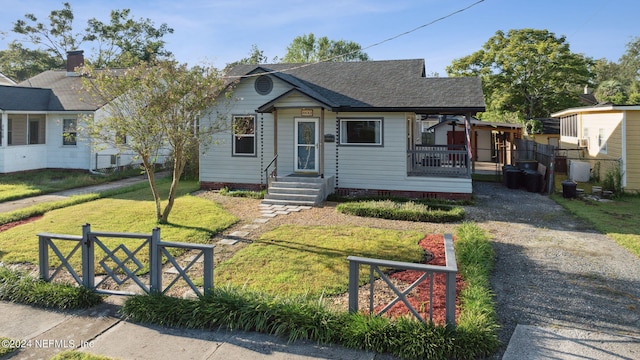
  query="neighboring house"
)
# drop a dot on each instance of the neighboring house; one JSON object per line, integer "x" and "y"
{"x": 490, "y": 141}
{"x": 40, "y": 118}
{"x": 606, "y": 134}
{"x": 550, "y": 134}
{"x": 5, "y": 80}
{"x": 352, "y": 127}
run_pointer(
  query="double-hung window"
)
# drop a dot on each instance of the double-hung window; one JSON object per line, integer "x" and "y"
{"x": 69, "y": 131}
{"x": 244, "y": 135}
{"x": 361, "y": 132}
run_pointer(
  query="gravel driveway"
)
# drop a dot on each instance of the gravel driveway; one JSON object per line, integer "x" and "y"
{"x": 553, "y": 269}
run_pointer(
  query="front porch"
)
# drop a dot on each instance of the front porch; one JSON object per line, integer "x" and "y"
{"x": 438, "y": 161}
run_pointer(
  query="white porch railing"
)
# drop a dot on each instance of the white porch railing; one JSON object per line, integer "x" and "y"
{"x": 438, "y": 160}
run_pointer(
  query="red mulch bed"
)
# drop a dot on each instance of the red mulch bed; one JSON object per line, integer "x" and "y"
{"x": 434, "y": 244}
{"x": 10, "y": 225}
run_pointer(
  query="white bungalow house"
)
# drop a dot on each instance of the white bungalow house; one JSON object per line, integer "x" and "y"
{"x": 347, "y": 127}
{"x": 40, "y": 118}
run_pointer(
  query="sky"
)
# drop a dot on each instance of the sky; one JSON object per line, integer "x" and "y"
{"x": 217, "y": 32}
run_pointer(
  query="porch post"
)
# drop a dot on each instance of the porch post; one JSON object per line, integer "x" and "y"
{"x": 5, "y": 127}
{"x": 275, "y": 134}
{"x": 467, "y": 129}
{"x": 321, "y": 142}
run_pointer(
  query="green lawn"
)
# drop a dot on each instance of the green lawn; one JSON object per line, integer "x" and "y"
{"x": 297, "y": 260}
{"x": 20, "y": 185}
{"x": 193, "y": 219}
{"x": 618, "y": 219}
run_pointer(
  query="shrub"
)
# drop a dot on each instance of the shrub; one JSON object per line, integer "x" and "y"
{"x": 402, "y": 210}
{"x": 243, "y": 193}
{"x": 20, "y": 287}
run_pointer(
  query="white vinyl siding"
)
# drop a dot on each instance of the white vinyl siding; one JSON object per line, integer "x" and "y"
{"x": 218, "y": 164}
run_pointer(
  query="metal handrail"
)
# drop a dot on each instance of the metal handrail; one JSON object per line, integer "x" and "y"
{"x": 266, "y": 170}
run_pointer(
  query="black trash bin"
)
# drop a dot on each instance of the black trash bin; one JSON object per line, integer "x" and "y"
{"x": 569, "y": 189}
{"x": 513, "y": 178}
{"x": 504, "y": 173}
{"x": 533, "y": 180}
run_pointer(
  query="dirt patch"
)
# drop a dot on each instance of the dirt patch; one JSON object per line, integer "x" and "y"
{"x": 13, "y": 224}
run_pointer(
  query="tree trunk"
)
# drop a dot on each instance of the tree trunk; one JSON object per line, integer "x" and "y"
{"x": 151, "y": 176}
{"x": 178, "y": 167}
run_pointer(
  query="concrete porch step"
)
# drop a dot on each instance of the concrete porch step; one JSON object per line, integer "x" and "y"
{"x": 293, "y": 190}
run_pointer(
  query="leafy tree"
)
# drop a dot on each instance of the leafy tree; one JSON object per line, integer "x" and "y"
{"x": 611, "y": 91}
{"x": 157, "y": 107}
{"x": 308, "y": 48}
{"x": 19, "y": 63}
{"x": 256, "y": 56}
{"x": 528, "y": 72}
{"x": 121, "y": 42}
{"x": 124, "y": 41}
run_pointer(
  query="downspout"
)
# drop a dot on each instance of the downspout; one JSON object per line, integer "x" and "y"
{"x": 623, "y": 166}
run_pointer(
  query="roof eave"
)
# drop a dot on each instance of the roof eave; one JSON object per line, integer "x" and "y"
{"x": 422, "y": 110}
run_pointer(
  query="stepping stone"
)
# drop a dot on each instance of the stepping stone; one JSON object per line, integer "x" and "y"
{"x": 270, "y": 215}
{"x": 281, "y": 212}
{"x": 305, "y": 207}
{"x": 190, "y": 259}
{"x": 172, "y": 270}
{"x": 239, "y": 233}
{"x": 189, "y": 295}
{"x": 228, "y": 242}
{"x": 261, "y": 220}
{"x": 251, "y": 227}
{"x": 294, "y": 209}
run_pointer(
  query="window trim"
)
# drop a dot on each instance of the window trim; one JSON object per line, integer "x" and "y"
{"x": 73, "y": 134}
{"x": 343, "y": 135}
{"x": 602, "y": 141}
{"x": 234, "y": 153}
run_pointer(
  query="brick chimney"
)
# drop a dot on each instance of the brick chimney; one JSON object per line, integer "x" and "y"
{"x": 74, "y": 59}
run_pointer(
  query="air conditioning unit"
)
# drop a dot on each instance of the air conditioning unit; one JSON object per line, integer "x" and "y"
{"x": 583, "y": 143}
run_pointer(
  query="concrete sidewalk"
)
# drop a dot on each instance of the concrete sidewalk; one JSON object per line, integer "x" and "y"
{"x": 13, "y": 205}
{"x": 100, "y": 331}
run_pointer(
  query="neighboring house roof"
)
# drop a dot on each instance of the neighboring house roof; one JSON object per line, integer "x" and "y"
{"x": 4, "y": 80}
{"x": 550, "y": 126}
{"x": 475, "y": 122}
{"x": 391, "y": 85}
{"x": 599, "y": 107}
{"x": 68, "y": 94}
{"x": 18, "y": 98}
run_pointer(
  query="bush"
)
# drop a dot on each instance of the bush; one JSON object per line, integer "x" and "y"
{"x": 20, "y": 287}
{"x": 402, "y": 210}
{"x": 243, "y": 193}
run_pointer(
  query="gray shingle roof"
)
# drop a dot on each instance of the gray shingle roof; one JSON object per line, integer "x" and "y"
{"x": 67, "y": 93}
{"x": 375, "y": 85}
{"x": 18, "y": 98}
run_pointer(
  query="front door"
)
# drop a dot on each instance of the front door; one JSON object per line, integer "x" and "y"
{"x": 306, "y": 145}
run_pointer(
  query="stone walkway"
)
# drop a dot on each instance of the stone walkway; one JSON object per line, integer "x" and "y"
{"x": 267, "y": 212}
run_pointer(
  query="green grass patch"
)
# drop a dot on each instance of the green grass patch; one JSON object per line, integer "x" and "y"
{"x": 32, "y": 183}
{"x": 619, "y": 219}
{"x": 77, "y": 355}
{"x": 298, "y": 260}
{"x": 243, "y": 193}
{"x": 403, "y": 210}
{"x": 20, "y": 287}
{"x": 192, "y": 219}
{"x": 6, "y": 345}
{"x": 306, "y": 317}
